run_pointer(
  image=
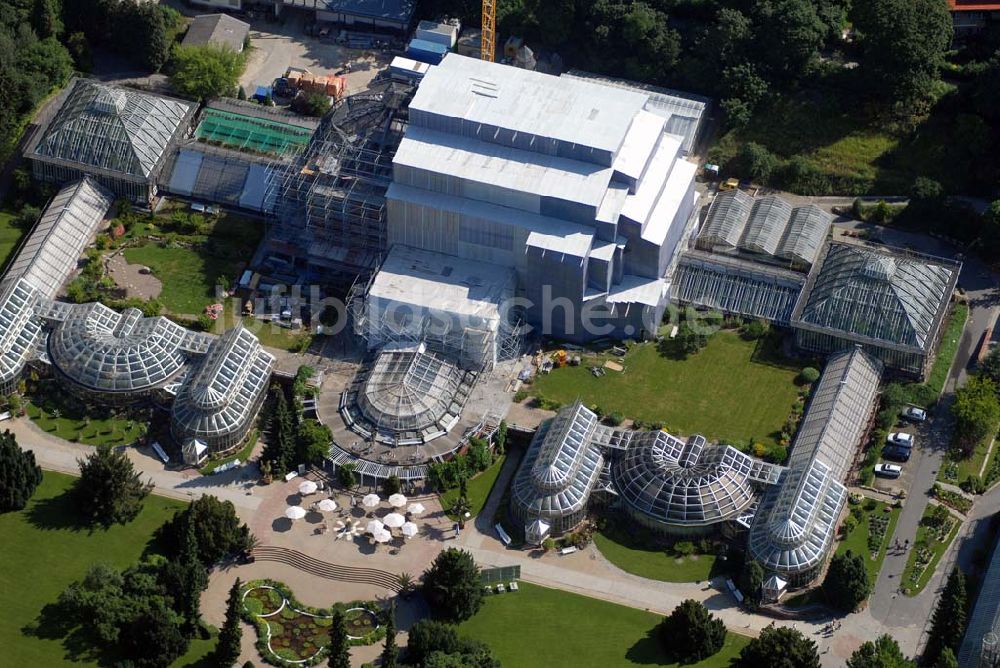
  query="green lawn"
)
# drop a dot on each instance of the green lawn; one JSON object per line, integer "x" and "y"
{"x": 725, "y": 391}
{"x": 73, "y": 426}
{"x": 949, "y": 347}
{"x": 555, "y": 629}
{"x": 857, "y": 540}
{"x": 10, "y": 237}
{"x": 655, "y": 564}
{"x": 44, "y": 549}
{"x": 955, "y": 471}
{"x": 926, "y": 540}
{"x": 478, "y": 489}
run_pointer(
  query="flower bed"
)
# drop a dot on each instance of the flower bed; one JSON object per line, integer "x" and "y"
{"x": 936, "y": 531}
{"x": 290, "y": 633}
{"x": 877, "y": 526}
{"x": 951, "y": 499}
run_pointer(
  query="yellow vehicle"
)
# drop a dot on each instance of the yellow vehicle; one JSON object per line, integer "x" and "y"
{"x": 729, "y": 184}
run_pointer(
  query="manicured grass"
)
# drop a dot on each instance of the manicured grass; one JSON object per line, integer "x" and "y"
{"x": 955, "y": 471}
{"x": 655, "y": 564}
{"x": 91, "y": 431}
{"x": 536, "y": 626}
{"x": 725, "y": 391}
{"x": 949, "y": 347}
{"x": 242, "y": 454}
{"x": 10, "y": 237}
{"x": 189, "y": 275}
{"x": 857, "y": 540}
{"x": 478, "y": 489}
{"x": 925, "y": 537}
{"x": 44, "y": 549}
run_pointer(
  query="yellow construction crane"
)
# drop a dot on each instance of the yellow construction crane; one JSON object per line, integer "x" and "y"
{"x": 488, "y": 43}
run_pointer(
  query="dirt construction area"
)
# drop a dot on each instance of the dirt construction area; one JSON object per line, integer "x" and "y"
{"x": 133, "y": 278}
{"x": 278, "y": 46}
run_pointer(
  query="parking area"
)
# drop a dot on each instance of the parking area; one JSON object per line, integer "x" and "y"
{"x": 278, "y": 46}
{"x": 923, "y": 435}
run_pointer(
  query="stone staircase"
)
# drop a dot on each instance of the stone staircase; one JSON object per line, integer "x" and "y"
{"x": 327, "y": 570}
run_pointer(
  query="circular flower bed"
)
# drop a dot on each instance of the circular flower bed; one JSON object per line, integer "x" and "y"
{"x": 360, "y": 622}
{"x": 263, "y": 600}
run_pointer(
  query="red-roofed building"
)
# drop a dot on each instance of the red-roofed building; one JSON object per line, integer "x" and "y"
{"x": 970, "y": 16}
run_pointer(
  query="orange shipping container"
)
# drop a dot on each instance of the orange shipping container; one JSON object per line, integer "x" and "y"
{"x": 293, "y": 79}
{"x": 335, "y": 86}
{"x": 306, "y": 81}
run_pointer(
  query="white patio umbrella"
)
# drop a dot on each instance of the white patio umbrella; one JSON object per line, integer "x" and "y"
{"x": 295, "y": 512}
{"x": 307, "y": 487}
{"x": 409, "y": 529}
{"x": 374, "y": 526}
{"x": 397, "y": 500}
{"x": 394, "y": 520}
{"x": 327, "y": 505}
{"x": 382, "y": 536}
{"x": 371, "y": 501}
{"x": 416, "y": 508}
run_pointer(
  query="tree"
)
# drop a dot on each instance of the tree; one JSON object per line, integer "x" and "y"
{"x": 217, "y": 529}
{"x": 154, "y": 639}
{"x": 756, "y": 162}
{"x": 339, "y": 648}
{"x": 808, "y": 375}
{"x": 314, "y": 439}
{"x": 949, "y": 618}
{"x": 390, "y": 653}
{"x": 311, "y": 104}
{"x": 846, "y": 584}
{"x": 990, "y": 366}
{"x": 751, "y": 581}
{"x": 452, "y": 586}
{"x": 903, "y": 44}
{"x": 227, "y": 648}
{"x": 883, "y": 653}
{"x": 391, "y": 486}
{"x": 140, "y": 31}
{"x": 946, "y": 659}
{"x": 19, "y": 474}
{"x": 428, "y": 636}
{"x": 690, "y": 339}
{"x": 109, "y": 489}
{"x": 45, "y": 19}
{"x": 977, "y": 411}
{"x": 185, "y": 578}
{"x": 691, "y": 633}
{"x": 346, "y": 475}
{"x": 792, "y": 34}
{"x": 203, "y": 72}
{"x": 280, "y": 450}
{"x": 778, "y": 647}
{"x": 241, "y": 94}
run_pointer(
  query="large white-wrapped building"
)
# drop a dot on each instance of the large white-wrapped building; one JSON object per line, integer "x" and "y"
{"x": 572, "y": 184}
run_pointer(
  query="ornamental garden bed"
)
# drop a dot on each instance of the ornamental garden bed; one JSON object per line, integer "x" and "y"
{"x": 290, "y": 633}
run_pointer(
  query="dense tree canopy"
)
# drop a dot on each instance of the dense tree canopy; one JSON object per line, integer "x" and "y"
{"x": 778, "y": 647}
{"x": 846, "y": 584}
{"x": 19, "y": 475}
{"x": 452, "y": 586}
{"x": 949, "y": 618}
{"x": 883, "y": 653}
{"x": 218, "y": 531}
{"x": 977, "y": 412}
{"x": 109, "y": 489}
{"x": 903, "y": 43}
{"x": 691, "y": 633}
{"x": 202, "y": 72}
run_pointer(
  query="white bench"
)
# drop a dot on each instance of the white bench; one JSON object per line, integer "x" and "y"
{"x": 512, "y": 586}
{"x": 504, "y": 538}
{"x": 160, "y": 453}
{"x": 568, "y": 550}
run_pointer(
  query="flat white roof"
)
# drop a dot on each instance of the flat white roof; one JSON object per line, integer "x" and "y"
{"x": 639, "y": 206}
{"x": 503, "y": 166}
{"x": 441, "y": 282}
{"x": 639, "y": 143}
{"x": 570, "y": 110}
{"x": 638, "y": 289}
{"x": 674, "y": 192}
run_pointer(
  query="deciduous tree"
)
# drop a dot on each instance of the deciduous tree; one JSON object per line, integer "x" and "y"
{"x": 778, "y": 647}
{"x": 846, "y": 584}
{"x": 206, "y": 71}
{"x": 884, "y": 652}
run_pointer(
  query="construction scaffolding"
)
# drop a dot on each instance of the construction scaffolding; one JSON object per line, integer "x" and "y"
{"x": 332, "y": 192}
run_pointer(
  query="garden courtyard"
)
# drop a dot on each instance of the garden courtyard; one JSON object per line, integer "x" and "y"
{"x": 732, "y": 390}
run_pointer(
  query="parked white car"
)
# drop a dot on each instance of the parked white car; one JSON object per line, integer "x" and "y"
{"x": 914, "y": 413}
{"x": 900, "y": 438}
{"x": 888, "y": 470}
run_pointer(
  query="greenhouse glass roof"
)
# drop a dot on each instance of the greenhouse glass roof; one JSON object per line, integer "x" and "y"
{"x": 807, "y": 230}
{"x": 877, "y": 295}
{"x": 19, "y": 330}
{"x": 67, "y": 225}
{"x": 409, "y": 389}
{"x": 221, "y": 396}
{"x": 688, "y": 483}
{"x": 727, "y": 217}
{"x": 107, "y": 351}
{"x": 766, "y": 225}
{"x": 118, "y": 130}
{"x": 561, "y": 467}
{"x": 795, "y": 524}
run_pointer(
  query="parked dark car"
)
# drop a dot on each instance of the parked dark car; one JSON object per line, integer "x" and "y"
{"x": 896, "y": 453}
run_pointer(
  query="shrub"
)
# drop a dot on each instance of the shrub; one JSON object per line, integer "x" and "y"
{"x": 683, "y": 548}
{"x": 754, "y": 329}
{"x": 614, "y": 418}
{"x": 756, "y": 162}
{"x": 808, "y": 375}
